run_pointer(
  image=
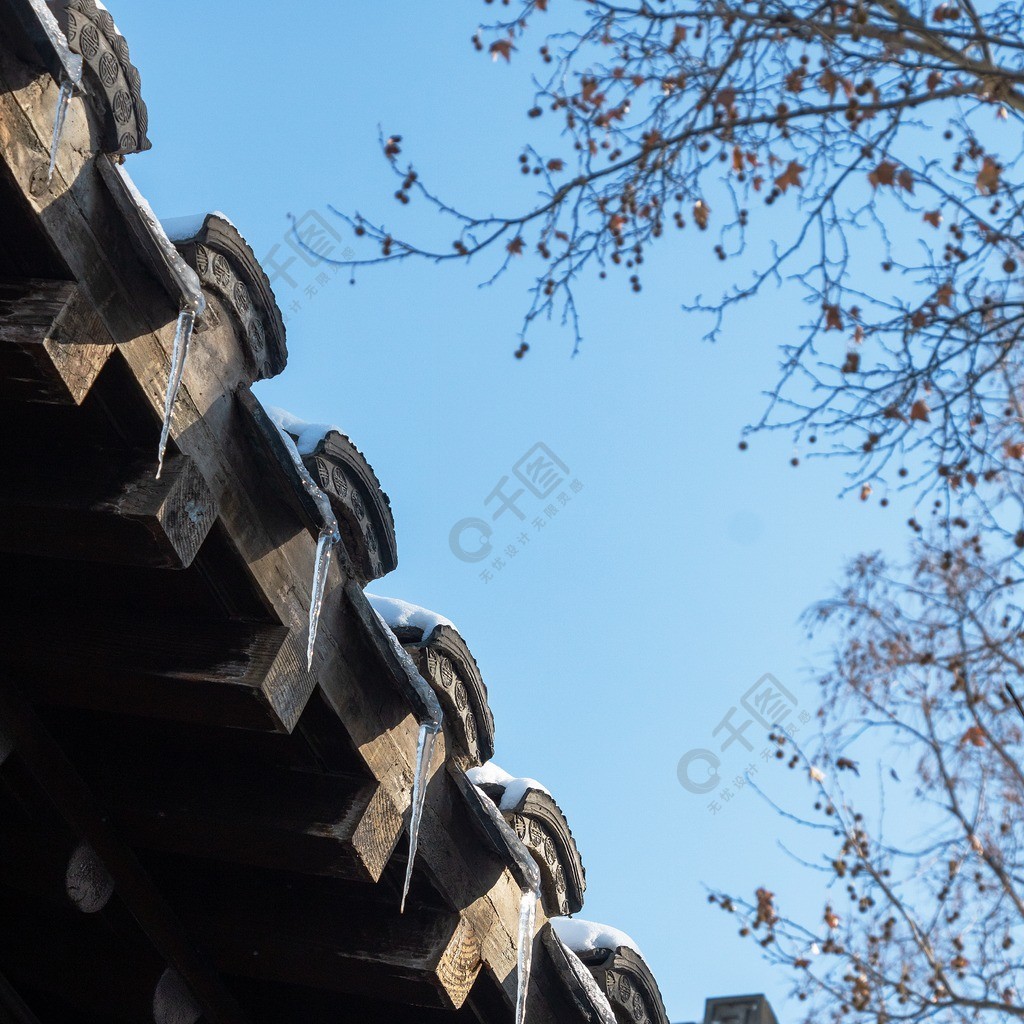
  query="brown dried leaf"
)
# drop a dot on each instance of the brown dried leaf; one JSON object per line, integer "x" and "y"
{"x": 726, "y": 98}
{"x": 975, "y": 736}
{"x": 790, "y": 176}
{"x": 883, "y": 174}
{"x": 988, "y": 177}
{"x": 502, "y": 48}
{"x": 828, "y": 81}
{"x": 795, "y": 80}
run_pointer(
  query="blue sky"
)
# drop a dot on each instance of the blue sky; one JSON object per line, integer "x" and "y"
{"x": 619, "y": 636}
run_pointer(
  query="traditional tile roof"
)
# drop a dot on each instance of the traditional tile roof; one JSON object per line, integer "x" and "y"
{"x": 196, "y": 824}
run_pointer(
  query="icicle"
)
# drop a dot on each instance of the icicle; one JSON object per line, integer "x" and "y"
{"x": 329, "y": 536}
{"x": 182, "y": 337}
{"x": 424, "y": 755}
{"x": 430, "y": 726}
{"x": 524, "y": 955}
{"x": 324, "y": 547}
{"x": 67, "y": 87}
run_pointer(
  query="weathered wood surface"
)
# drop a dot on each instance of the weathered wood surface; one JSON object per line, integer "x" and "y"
{"x": 59, "y": 338}
{"x": 106, "y": 509}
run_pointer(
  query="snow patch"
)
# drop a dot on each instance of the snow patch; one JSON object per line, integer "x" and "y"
{"x": 180, "y": 229}
{"x": 309, "y": 434}
{"x": 400, "y": 614}
{"x": 582, "y": 936}
{"x": 515, "y": 789}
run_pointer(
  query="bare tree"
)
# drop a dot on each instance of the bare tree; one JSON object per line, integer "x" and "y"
{"x": 863, "y": 155}
{"x": 885, "y": 136}
{"x": 925, "y": 905}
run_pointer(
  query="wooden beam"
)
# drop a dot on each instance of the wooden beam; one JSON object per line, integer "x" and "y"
{"x": 74, "y": 801}
{"x": 104, "y": 507}
{"x": 358, "y": 679}
{"x": 326, "y": 936}
{"x": 190, "y": 670}
{"x": 49, "y": 331}
{"x": 238, "y": 811}
{"x": 82, "y": 222}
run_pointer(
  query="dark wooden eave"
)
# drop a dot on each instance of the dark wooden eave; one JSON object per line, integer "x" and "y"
{"x": 155, "y": 706}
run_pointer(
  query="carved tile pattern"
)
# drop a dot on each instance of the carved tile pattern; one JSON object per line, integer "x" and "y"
{"x": 624, "y": 995}
{"x": 454, "y": 698}
{"x": 349, "y": 506}
{"x": 215, "y": 272}
{"x": 92, "y": 33}
{"x": 538, "y": 842}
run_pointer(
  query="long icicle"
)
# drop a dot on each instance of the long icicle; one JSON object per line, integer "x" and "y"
{"x": 182, "y": 337}
{"x": 424, "y": 755}
{"x": 324, "y": 547}
{"x": 430, "y": 726}
{"x": 524, "y": 952}
{"x": 67, "y": 87}
{"x": 329, "y": 536}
